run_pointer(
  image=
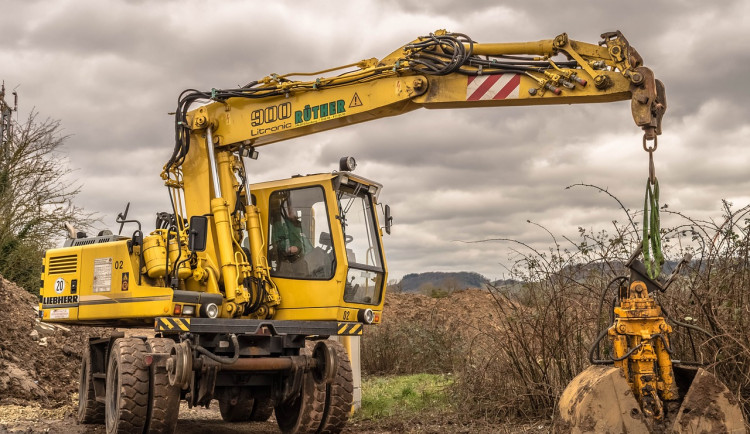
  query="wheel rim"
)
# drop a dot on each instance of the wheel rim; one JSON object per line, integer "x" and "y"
{"x": 327, "y": 363}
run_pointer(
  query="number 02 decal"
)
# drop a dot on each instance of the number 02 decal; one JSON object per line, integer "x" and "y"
{"x": 118, "y": 265}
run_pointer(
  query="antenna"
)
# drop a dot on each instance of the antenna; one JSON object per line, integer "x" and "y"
{"x": 5, "y": 115}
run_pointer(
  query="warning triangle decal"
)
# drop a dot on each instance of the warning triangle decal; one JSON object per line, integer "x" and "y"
{"x": 356, "y": 102}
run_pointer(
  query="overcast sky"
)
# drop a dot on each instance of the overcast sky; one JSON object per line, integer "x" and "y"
{"x": 111, "y": 72}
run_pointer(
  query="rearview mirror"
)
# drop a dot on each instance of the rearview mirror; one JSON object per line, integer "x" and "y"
{"x": 198, "y": 233}
{"x": 388, "y": 219}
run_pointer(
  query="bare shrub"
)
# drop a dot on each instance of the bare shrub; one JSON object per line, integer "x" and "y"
{"x": 714, "y": 296}
{"x": 546, "y": 326}
{"x": 409, "y": 348}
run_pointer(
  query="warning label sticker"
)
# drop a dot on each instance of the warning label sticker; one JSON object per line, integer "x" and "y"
{"x": 356, "y": 102}
{"x": 102, "y": 275}
{"x": 59, "y": 313}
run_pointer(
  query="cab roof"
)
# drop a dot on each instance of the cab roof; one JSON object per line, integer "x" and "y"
{"x": 305, "y": 179}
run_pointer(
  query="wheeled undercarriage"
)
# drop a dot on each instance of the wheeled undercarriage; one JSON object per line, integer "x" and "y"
{"x": 252, "y": 367}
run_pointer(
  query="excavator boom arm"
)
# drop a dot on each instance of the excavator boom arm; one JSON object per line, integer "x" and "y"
{"x": 442, "y": 70}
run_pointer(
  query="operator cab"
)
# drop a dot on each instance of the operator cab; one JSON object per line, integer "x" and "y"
{"x": 324, "y": 245}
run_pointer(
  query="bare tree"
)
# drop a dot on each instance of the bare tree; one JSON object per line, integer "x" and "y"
{"x": 450, "y": 284}
{"x": 36, "y": 198}
{"x": 395, "y": 286}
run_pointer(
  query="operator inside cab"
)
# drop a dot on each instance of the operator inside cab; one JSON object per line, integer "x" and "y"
{"x": 296, "y": 217}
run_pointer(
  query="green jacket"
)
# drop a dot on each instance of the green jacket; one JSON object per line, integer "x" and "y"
{"x": 286, "y": 233}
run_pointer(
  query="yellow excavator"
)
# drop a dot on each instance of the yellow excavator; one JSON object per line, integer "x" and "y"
{"x": 243, "y": 283}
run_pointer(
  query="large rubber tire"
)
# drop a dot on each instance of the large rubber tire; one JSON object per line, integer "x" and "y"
{"x": 164, "y": 400}
{"x": 89, "y": 409}
{"x": 127, "y": 387}
{"x": 304, "y": 414}
{"x": 262, "y": 409}
{"x": 239, "y": 412}
{"x": 339, "y": 394}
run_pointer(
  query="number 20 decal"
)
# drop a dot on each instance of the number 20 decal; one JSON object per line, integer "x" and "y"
{"x": 60, "y": 285}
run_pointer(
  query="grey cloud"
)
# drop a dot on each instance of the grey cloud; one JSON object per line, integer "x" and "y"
{"x": 111, "y": 71}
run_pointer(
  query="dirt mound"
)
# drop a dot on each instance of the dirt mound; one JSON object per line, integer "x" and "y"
{"x": 38, "y": 362}
{"x": 469, "y": 312}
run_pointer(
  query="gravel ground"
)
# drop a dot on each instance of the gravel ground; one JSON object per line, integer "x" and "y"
{"x": 35, "y": 419}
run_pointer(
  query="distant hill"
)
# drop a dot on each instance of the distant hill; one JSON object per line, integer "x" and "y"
{"x": 504, "y": 282}
{"x": 449, "y": 281}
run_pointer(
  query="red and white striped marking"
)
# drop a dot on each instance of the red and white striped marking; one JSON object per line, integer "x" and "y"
{"x": 489, "y": 87}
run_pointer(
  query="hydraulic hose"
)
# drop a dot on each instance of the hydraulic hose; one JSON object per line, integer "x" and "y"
{"x": 688, "y": 326}
{"x": 221, "y": 359}
{"x": 595, "y": 346}
{"x": 433, "y": 55}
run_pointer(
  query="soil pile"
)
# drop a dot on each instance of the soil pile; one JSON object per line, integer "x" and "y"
{"x": 469, "y": 312}
{"x": 38, "y": 362}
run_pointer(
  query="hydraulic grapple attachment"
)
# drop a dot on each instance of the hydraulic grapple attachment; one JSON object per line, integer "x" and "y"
{"x": 641, "y": 389}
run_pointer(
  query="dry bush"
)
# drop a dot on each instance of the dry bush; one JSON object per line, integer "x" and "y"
{"x": 546, "y": 327}
{"x": 409, "y": 348}
{"x": 714, "y": 296}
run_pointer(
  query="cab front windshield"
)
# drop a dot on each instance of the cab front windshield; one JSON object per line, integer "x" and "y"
{"x": 364, "y": 280}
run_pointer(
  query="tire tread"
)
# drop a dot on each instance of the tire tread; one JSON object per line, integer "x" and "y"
{"x": 339, "y": 394}
{"x": 90, "y": 411}
{"x": 128, "y": 354}
{"x": 303, "y": 417}
{"x": 164, "y": 399}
